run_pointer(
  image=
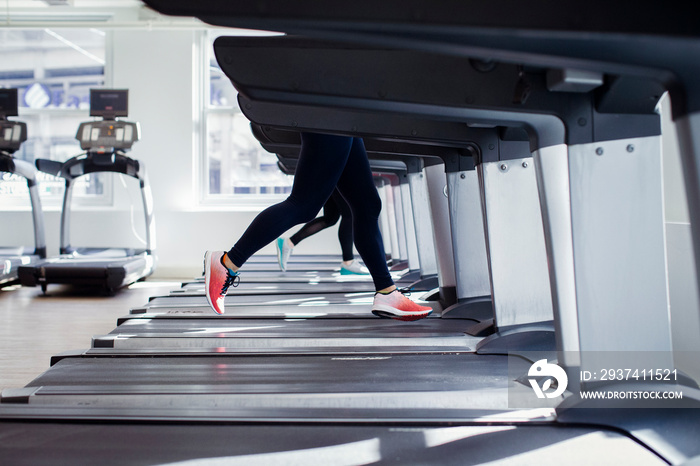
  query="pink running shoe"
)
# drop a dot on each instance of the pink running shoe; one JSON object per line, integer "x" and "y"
{"x": 397, "y": 306}
{"x": 217, "y": 279}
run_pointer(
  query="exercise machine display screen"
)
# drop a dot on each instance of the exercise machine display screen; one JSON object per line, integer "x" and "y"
{"x": 8, "y": 103}
{"x": 107, "y": 135}
{"x": 109, "y": 103}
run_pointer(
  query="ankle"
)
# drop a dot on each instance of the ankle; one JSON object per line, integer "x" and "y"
{"x": 387, "y": 290}
{"x": 228, "y": 264}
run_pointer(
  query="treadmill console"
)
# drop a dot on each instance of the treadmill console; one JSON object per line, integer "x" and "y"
{"x": 12, "y": 133}
{"x": 108, "y": 134}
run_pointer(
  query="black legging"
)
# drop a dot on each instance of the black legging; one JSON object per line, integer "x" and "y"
{"x": 334, "y": 209}
{"x": 325, "y": 162}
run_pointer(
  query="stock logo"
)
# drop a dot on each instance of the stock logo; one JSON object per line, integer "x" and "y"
{"x": 542, "y": 369}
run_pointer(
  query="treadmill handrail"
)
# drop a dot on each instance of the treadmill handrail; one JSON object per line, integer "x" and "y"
{"x": 97, "y": 162}
{"x": 10, "y": 164}
{"x": 94, "y": 162}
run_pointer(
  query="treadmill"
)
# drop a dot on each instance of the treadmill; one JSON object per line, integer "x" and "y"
{"x": 12, "y": 135}
{"x": 105, "y": 141}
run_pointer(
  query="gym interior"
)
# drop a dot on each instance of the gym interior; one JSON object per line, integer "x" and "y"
{"x": 539, "y": 181}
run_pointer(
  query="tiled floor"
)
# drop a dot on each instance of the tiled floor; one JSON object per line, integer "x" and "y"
{"x": 34, "y": 327}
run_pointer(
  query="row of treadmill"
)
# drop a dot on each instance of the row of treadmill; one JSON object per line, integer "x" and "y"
{"x": 105, "y": 142}
{"x": 522, "y": 201}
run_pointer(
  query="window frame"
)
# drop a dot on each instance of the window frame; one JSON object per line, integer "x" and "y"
{"x": 21, "y": 202}
{"x": 242, "y": 202}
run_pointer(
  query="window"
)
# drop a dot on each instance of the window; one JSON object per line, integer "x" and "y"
{"x": 53, "y": 70}
{"x": 235, "y": 166}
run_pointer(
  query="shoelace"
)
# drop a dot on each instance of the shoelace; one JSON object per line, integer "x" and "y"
{"x": 231, "y": 280}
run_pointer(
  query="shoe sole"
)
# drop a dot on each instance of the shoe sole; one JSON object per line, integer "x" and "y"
{"x": 207, "y": 276}
{"x": 393, "y": 313}
{"x": 406, "y": 318}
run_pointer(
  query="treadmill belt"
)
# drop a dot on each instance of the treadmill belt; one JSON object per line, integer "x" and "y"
{"x": 293, "y": 266}
{"x": 191, "y": 303}
{"x": 307, "y": 276}
{"x": 429, "y": 335}
{"x": 178, "y": 300}
{"x": 261, "y": 311}
{"x": 311, "y": 287}
{"x": 336, "y": 305}
{"x": 277, "y": 276}
{"x": 411, "y": 386}
{"x": 280, "y": 374}
{"x": 310, "y": 328}
{"x": 334, "y": 259}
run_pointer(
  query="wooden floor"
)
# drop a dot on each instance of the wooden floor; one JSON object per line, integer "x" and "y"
{"x": 34, "y": 327}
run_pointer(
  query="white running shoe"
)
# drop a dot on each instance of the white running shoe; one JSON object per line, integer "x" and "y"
{"x": 217, "y": 279}
{"x": 355, "y": 268}
{"x": 396, "y": 306}
{"x": 284, "y": 250}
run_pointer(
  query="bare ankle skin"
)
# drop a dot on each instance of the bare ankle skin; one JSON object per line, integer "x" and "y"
{"x": 387, "y": 290}
{"x": 229, "y": 264}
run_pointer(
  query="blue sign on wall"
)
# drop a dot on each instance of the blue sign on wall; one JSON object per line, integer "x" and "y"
{"x": 37, "y": 96}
